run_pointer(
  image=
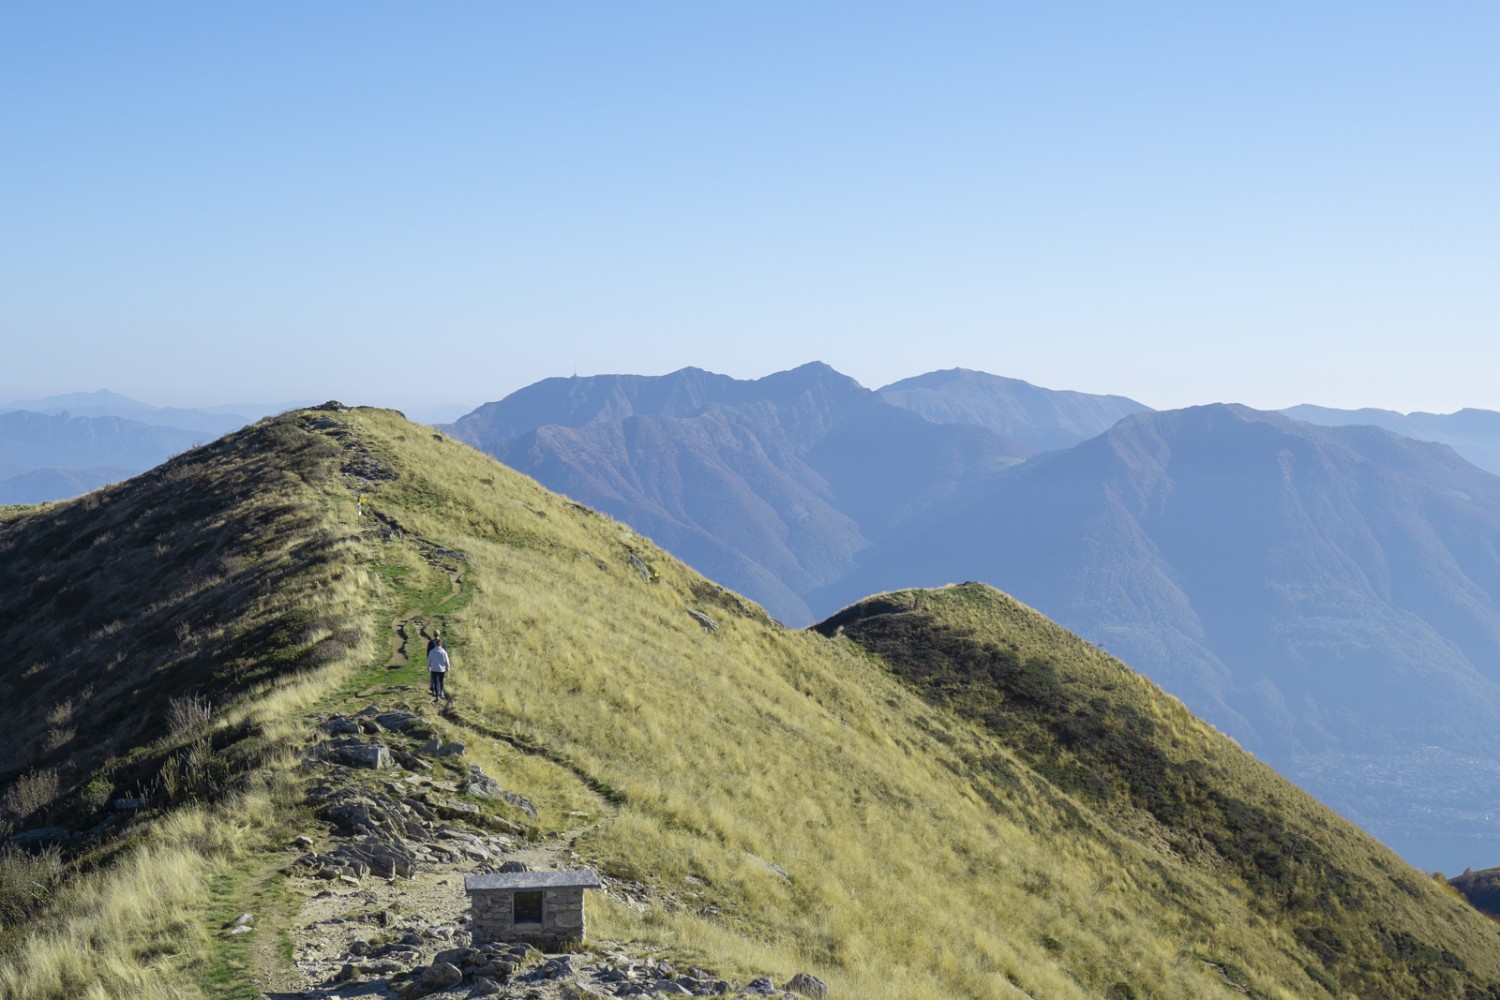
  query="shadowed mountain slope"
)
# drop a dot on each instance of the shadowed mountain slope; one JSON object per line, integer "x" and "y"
{"x": 1328, "y": 596}
{"x": 1041, "y": 419}
{"x": 1481, "y": 889}
{"x": 197, "y": 578}
{"x": 759, "y": 800}
{"x": 771, "y": 486}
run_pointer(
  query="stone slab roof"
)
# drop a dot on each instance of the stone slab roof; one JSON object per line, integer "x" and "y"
{"x": 583, "y": 878}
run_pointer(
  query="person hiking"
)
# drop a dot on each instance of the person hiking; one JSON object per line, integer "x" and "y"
{"x": 437, "y": 669}
{"x": 437, "y": 637}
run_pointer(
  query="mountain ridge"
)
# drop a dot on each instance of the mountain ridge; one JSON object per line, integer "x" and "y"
{"x": 1473, "y": 433}
{"x": 1042, "y": 419}
{"x": 758, "y": 800}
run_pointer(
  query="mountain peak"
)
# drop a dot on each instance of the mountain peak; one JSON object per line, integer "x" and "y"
{"x": 100, "y": 400}
{"x": 814, "y": 374}
{"x": 1041, "y": 419}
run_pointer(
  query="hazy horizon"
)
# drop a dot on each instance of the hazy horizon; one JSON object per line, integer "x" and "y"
{"x": 418, "y": 405}
{"x": 406, "y": 205}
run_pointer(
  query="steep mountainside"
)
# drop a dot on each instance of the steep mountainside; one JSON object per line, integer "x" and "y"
{"x": 1330, "y": 597}
{"x": 1474, "y": 434}
{"x": 1097, "y": 730}
{"x": 204, "y": 657}
{"x": 771, "y": 486}
{"x": 1041, "y": 419}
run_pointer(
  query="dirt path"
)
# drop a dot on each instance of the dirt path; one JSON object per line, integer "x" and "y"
{"x": 399, "y": 657}
{"x": 324, "y": 925}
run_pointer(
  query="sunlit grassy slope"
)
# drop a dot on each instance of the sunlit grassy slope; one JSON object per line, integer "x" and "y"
{"x": 953, "y": 798}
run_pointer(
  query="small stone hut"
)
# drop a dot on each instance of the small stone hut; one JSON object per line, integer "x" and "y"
{"x": 544, "y": 909}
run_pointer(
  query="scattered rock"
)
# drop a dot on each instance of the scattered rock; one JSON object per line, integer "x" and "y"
{"x": 340, "y": 725}
{"x": 440, "y": 976}
{"x": 483, "y": 786}
{"x": 353, "y": 752}
{"x": 41, "y": 836}
{"x": 410, "y": 761}
{"x": 808, "y": 986}
{"x": 771, "y": 867}
{"x": 456, "y": 956}
{"x": 397, "y": 721}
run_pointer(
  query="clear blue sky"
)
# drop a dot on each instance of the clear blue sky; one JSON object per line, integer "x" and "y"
{"x": 411, "y": 203}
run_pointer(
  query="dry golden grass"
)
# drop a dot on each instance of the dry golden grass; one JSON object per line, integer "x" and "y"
{"x": 787, "y": 803}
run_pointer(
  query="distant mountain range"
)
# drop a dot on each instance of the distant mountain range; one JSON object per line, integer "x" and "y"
{"x": 212, "y": 421}
{"x": 1330, "y": 596}
{"x": 1041, "y": 419}
{"x": 61, "y": 446}
{"x": 771, "y": 486}
{"x": 1474, "y": 434}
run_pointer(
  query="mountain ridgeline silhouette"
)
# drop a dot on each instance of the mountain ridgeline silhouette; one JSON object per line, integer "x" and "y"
{"x": 1473, "y": 433}
{"x": 1041, "y": 419}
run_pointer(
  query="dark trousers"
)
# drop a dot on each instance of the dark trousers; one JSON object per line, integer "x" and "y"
{"x": 437, "y": 677}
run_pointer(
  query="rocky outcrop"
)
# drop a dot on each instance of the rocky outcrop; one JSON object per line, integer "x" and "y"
{"x": 483, "y": 786}
{"x": 392, "y": 812}
{"x": 807, "y": 986}
{"x": 354, "y": 752}
{"x": 509, "y": 969}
